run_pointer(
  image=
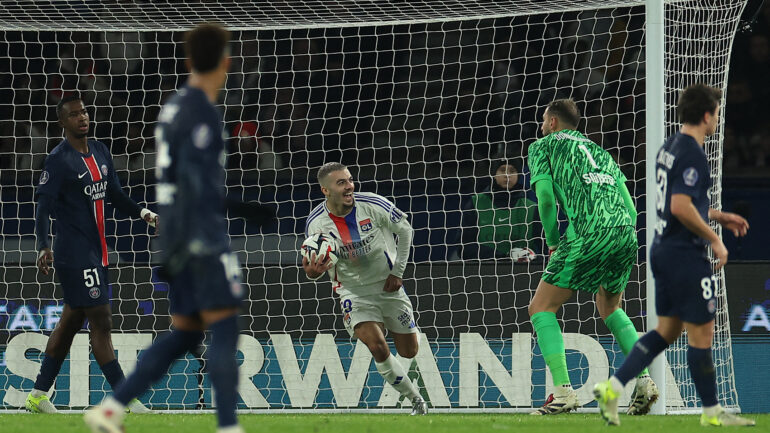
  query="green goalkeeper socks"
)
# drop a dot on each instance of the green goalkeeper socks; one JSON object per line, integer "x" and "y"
{"x": 551, "y": 344}
{"x": 625, "y": 333}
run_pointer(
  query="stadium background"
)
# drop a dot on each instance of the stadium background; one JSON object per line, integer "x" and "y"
{"x": 30, "y": 87}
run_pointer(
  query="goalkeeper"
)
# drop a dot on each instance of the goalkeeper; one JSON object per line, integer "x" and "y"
{"x": 596, "y": 253}
{"x": 367, "y": 276}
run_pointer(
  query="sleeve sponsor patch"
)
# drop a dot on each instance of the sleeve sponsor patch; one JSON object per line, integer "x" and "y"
{"x": 201, "y": 136}
{"x": 690, "y": 176}
{"x": 44, "y": 177}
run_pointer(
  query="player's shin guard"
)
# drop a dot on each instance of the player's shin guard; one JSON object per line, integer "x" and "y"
{"x": 395, "y": 374}
{"x": 624, "y": 331}
{"x": 644, "y": 351}
{"x": 223, "y": 368}
{"x": 703, "y": 375}
{"x": 48, "y": 371}
{"x": 155, "y": 362}
{"x": 551, "y": 344}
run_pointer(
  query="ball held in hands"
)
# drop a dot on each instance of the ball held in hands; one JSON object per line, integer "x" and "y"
{"x": 322, "y": 246}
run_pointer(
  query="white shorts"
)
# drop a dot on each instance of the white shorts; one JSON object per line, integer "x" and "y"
{"x": 393, "y": 310}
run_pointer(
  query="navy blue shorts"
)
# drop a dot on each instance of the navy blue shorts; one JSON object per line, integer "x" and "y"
{"x": 206, "y": 283}
{"x": 84, "y": 287}
{"x": 685, "y": 286}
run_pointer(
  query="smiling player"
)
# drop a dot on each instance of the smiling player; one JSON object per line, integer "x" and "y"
{"x": 367, "y": 276}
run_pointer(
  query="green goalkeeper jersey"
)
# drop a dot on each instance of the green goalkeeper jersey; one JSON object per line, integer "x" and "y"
{"x": 586, "y": 181}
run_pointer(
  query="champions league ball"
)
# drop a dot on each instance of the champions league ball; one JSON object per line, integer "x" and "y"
{"x": 322, "y": 246}
{"x": 522, "y": 255}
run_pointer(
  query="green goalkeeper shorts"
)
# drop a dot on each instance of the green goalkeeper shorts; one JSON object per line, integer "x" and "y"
{"x": 602, "y": 258}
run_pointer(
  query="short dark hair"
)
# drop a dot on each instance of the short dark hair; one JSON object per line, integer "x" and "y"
{"x": 205, "y": 45}
{"x": 695, "y": 101}
{"x": 328, "y": 168}
{"x": 65, "y": 100}
{"x": 565, "y": 110}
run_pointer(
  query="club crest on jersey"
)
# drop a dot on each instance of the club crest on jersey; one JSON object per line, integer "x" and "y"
{"x": 690, "y": 176}
{"x": 104, "y": 169}
{"x": 94, "y": 292}
{"x": 365, "y": 225}
{"x": 44, "y": 177}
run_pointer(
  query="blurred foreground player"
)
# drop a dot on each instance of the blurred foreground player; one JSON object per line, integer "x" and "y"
{"x": 367, "y": 276}
{"x": 204, "y": 276}
{"x": 77, "y": 179}
{"x": 685, "y": 286}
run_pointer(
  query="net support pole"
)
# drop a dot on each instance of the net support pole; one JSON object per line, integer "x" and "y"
{"x": 655, "y": 109}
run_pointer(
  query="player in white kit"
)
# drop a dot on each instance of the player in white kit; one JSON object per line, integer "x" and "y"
{"x": 367, "y": 276}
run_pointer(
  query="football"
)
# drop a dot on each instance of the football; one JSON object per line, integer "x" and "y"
{"x": 321, "y": 245}
{"x": 522, "y": 255}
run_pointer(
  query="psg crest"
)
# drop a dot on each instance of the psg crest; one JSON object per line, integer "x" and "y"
{"x": 104, "y": 169}
{"x": 94, "y": 292}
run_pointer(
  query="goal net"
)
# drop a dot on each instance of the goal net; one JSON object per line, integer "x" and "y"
{"x": 424, "y": 101}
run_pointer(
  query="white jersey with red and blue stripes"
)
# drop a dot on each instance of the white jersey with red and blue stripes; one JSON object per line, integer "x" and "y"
{"x": 366, "y": 243}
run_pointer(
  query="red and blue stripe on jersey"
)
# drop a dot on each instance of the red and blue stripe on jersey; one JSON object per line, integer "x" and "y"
{"x": 347, "y": 227}
{"x": 96, "y": 176}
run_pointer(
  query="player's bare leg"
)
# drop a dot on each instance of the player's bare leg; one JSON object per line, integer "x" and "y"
{"x": 645, "y": 391}
{"x": 542, "y": 311}
{"x": 371, "y": 334}
{"x": 407, "y": 346}
{"x": 59, "y": 343}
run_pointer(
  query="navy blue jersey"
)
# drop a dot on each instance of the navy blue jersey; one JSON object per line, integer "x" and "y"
{"x": 73, "y": 188}
{"x": 681, "y": 168}
{"x": 191, "y": 178}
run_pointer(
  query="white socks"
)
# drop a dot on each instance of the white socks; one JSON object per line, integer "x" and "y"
{"x": 393, "y": 373}
{"x": 712, "y": 411}
{"x": 562, "y": 391}
{"x": 37, "y": 393}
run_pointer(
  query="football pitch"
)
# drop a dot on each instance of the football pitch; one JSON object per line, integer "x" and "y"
{"x": 368, "y": 423}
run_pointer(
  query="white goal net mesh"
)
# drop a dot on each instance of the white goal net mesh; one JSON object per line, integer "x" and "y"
{"x": 424, "y": 101}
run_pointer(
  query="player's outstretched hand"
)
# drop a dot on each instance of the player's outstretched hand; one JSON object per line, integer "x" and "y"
{"x": 44, "y": 260}
{"x": 314, "y": 268}
{"x": 393, "y": 283}
{"x": 734, "y": 222}
{"x": 720, "y": 252}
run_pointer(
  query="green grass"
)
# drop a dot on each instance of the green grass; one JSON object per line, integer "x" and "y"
{"x": 386, "y": 423}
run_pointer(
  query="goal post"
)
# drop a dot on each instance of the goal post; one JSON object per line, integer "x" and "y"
{"x": 655, "y": 73}
{"x": 423, "y": 100}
